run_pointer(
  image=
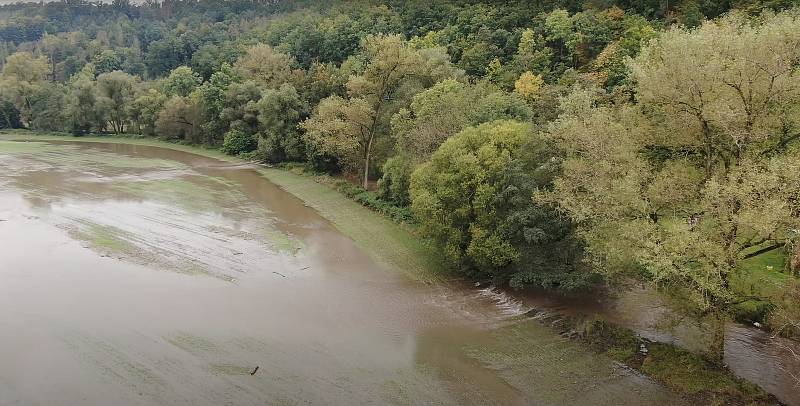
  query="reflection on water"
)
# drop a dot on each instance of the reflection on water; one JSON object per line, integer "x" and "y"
{"x": 137, "y": 275}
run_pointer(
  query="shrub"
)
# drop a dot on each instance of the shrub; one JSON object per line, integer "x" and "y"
{"x": 237, "y": 142}
{"x": 752, "y": 311}
{"x": 393, "y": 185}
{"x": 372, "y": 201}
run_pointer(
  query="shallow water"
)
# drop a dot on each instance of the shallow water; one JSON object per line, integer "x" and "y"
{"x": 134, "y": 275}
{"x": 753, "y": 354}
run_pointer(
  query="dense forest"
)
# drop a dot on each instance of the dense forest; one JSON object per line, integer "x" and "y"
{"x": 553, "y": 143}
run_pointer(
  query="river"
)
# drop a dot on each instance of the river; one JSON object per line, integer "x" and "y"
{"x": 134, "y": 275}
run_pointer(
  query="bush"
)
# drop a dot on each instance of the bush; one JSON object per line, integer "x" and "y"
{"x": 752, "y": 311}
{"x": 619, "y": 343}
{"x": 237, "y": 142}
{"x": 691, "y": 374}
{"x": 372, "y": 201}
{"x": 393, "y": 185}
{"x": 785, "y": 317}
{"x": 9, "y": 115}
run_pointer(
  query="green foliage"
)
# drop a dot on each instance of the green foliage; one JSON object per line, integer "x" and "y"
{"x": 373, "y": 201}
{"x": 9, "y": 115}
{"x": 725, "y": 181}
{"x": 115, "y": 92}
{"x": 751, "y": 311}
{"x": 180, "y": 119}
{"x": 280, "y": 112}
{"x": 619, "y": 343}
{"x": 215, "y": 95}
{"x": 107, "y": 61}
{"x": 691, "y": 374}
{"x": 181, "y": 81}
{"x": 144, "y": 110}
{"x": 396, "y": 180}
{"x": 784, "y": 318}
{"x": 82, "y": 108}
{"x": 448, "y": 107}
{"x": 473, "y": 200}
{"x": 22, "y": 80}
{"x": 238, "y": 142}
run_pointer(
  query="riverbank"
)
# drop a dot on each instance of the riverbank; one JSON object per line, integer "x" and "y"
{"x": 395, "y": 246}
{"x": 681, "y": 370}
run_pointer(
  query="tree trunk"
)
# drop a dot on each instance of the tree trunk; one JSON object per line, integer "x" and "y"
{"x": 366, "y": 163}
{"x": 794, "y": 264}
{"x": 716, "y": 352}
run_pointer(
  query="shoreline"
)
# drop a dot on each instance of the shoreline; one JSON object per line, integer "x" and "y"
{"x": 396, "y": 247}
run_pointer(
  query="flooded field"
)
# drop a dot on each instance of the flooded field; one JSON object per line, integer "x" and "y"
{"x": 134, "y": 275}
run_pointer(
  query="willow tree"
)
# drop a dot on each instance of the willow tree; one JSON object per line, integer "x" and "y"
{"x": 115, "y": 94}
{"x": 23, "y": 77}
{"x": 393, "y": 73}
{"x": 265, "y": 65}
{"x": 725, "y": 91}
{"x": 703, "y": 173}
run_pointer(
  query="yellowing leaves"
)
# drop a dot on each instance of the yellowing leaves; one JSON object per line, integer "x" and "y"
{"x": 528, "y": 85}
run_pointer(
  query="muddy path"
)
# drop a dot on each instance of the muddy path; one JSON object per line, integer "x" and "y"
{"x": 134, "y": 275}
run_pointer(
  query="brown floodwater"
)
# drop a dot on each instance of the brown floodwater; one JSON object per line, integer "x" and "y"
{"x": 133, "y": 275}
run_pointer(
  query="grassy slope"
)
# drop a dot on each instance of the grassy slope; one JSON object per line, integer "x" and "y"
{"x": 390, "y": 244}
{"x": 393, "y": 245}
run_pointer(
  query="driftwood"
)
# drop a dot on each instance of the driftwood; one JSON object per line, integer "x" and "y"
{"x": 254, "y": 371}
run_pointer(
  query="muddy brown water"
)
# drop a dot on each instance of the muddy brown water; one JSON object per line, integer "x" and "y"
{"x": 134, "y": 275}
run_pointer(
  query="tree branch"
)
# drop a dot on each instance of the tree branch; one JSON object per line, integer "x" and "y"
{"x": 764, "y": 250}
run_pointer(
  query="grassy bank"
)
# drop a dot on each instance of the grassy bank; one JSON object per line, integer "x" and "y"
{"x": 392, "y": 245}
{"x": 685, "y": 372}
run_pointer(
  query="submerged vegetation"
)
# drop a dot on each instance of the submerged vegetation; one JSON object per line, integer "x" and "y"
{"x": 559, "y": 145}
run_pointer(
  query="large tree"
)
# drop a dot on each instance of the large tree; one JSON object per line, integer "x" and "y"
{"x": 701, "y": 175}
{"x": 393, "y": 74}
{"x": 448, "y": 107}
{"x": 82, "y": 110}
{"x": 181, "y": 119}
{"x": 115, "y": 91}
{"x": 280, "y": 112}
{"x": 473, "y": 200}
{"x": 22, "y": 78}
{"x": 181, "y": 81}
{"x": 266, "y": 66}
{"x": 144, "y": 110}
